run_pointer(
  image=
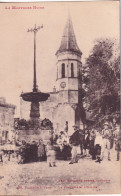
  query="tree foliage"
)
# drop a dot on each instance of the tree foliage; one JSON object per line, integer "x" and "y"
{"x": 101, "y": 76}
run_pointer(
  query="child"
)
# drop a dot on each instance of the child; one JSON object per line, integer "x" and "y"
{"x": 50, "y": 154}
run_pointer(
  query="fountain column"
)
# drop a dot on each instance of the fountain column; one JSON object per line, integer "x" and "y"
{"x": 35, "y": 96}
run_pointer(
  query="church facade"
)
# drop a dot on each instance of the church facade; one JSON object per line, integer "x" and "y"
{"x": 65, "y": 102}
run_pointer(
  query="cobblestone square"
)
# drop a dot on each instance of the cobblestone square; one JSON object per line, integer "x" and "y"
{"x": 38, "y": 178}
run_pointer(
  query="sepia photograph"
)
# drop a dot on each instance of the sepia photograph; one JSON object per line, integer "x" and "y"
{"x": 60, "y": 98}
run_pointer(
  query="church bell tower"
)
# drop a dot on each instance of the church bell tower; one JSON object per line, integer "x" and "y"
{"x": 69, "y": 71}
{"x": 69, "y": 65}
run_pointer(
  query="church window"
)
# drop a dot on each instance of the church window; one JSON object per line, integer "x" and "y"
{"x": 72, "y": 70}
{"x": 63, "y": 70}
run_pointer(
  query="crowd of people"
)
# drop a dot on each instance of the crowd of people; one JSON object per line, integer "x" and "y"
{"x": 91, "y": 142}
{"x": 94, "y": 143}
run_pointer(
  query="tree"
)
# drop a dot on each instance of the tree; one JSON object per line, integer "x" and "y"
{"x": 101, "y": 80}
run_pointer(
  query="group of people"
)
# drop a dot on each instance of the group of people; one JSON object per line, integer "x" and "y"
{"x": 91, "y": 143}
{"x": 95, "y": 143}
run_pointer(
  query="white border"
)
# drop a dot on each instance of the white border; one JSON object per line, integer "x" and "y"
{"x": 26, "y": 1}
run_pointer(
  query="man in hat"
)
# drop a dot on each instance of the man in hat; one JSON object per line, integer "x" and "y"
{"x": 74, "y": 141}
{"x": 118, "y": 141}
{"x": 82, "y": 139}
{"x": 106, "y": 135}
{"x": 92, "y": 142}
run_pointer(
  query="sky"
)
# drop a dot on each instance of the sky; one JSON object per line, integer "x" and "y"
{"x": 91, "y": 20}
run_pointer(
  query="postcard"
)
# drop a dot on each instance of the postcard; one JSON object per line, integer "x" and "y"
{"x": 60, "y": 98}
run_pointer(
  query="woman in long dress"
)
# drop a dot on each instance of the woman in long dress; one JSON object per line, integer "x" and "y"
{"x": 98, "y": 146}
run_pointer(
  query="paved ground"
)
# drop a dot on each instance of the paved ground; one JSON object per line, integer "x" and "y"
{"x": 87, "y": 176}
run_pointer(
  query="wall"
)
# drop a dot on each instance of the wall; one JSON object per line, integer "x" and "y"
{"x": 7, "y": 112}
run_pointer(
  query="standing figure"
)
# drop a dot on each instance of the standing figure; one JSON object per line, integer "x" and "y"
{"x": 74, "y": 141}
{"x": 87, "y": 142}
{"x": 33, "y": 152}
{"x": 106, "y": 135}
{"x": 40, "y": 150}
{"x": 50, "y": 152}
{"x": 65, "y": 137}
{"x": 98, "y": 147}
{"x": 82, "y": 140}
{"x": 92, "y": 143}
{"x": 118, "y": 144}
{"x": 66, "y": 127}
{"x": 1, "y": 154}
{"x": 66, "y": 146}
{"x": 22, "y": 153}
{"x": 112, "y": 136}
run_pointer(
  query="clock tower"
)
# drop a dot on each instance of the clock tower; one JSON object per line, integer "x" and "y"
{"x": 69, "y": 65}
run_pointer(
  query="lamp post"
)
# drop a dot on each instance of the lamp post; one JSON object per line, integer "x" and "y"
{"x": 35, "y": 30}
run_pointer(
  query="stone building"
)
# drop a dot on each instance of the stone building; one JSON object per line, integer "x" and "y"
{"x": 7, "y": 112}
{"x": 64, "y": 103}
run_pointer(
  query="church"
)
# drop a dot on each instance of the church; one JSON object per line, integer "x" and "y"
{"x": 65, "y": 102}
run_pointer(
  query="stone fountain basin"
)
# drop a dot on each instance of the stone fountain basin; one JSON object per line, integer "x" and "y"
{"x": 35, "y": 96}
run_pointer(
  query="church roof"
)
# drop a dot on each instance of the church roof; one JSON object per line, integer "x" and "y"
{"x": 68, "y": 42}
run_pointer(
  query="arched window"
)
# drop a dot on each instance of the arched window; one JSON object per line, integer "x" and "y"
{"x": 72, "y": 70}
{"x": 63, "y": 70}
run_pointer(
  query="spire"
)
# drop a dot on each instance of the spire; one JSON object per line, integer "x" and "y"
{"x": 68, "y": 42}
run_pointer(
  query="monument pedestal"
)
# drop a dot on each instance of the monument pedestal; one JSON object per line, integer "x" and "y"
{"x": 35, "y": 135}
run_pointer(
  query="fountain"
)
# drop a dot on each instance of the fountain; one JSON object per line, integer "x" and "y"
{"x": 35, "y": 96}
